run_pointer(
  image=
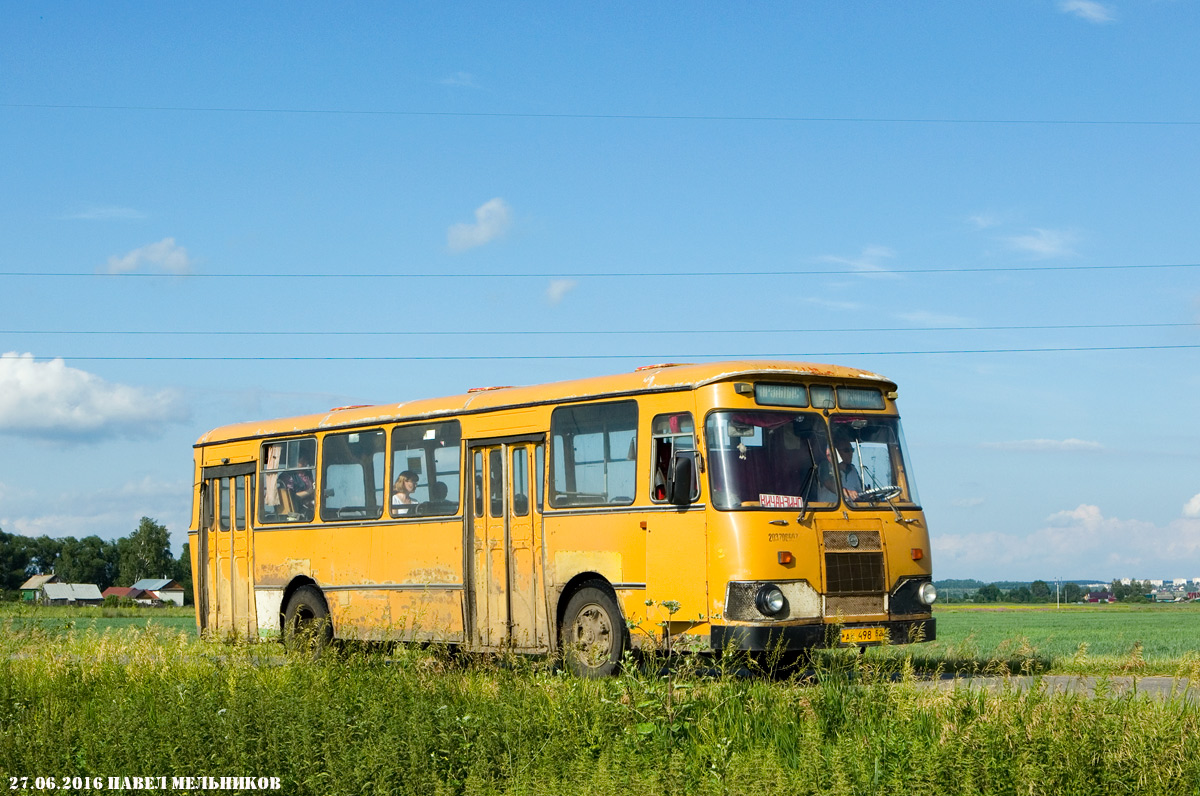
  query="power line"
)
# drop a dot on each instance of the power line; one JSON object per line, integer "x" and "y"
{"x": 590, "y": 274}
{"x": 587, "y": 333}
{"x": 664, "y": 357}
{"x": 940, "y": 120}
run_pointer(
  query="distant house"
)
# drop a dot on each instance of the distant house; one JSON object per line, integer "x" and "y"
{"x": 71, "y": 594}
{"x": 1100, "y": 597}
{"x": 160, "y": 589}
{"x": 31, "y": 590}
{"x": 121, "y": 592}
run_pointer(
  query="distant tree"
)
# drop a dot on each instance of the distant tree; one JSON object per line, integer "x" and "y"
{"x": 1040, "y": 591}
{"x": 183, "y": 573}
{"x": 88, "y": 560}
{"x": 145, "y": 553}
{"x": 1134, "y": 592}
{"x": 988, "y": 594}
{"x": 1022, "y": 594}
{"x": 43, "y": 555}
{"x": 14, "y": 560}
{"x": 1072, "y": 592}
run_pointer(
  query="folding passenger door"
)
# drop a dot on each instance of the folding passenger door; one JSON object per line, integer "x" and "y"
{"x": 225, "y": 557}
{"x": 503, "y": 546}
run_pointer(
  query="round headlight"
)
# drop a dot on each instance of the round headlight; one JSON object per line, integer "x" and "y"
{"x": 770, "y": 600}
{"x": 927, "y": 594}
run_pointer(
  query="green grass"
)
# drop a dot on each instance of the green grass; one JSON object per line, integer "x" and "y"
{"x": 57, "y": 620}
{"x": 1133, "y": 639}
{"x": 417, "y": 721}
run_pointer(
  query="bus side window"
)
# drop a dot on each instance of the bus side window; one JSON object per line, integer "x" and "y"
{"x": 352, "y": 475}
{"x": 594, "y": 454}
{"x": 288, "y": 480}
{"x": 671, "y": 434}
{"x": 432, "y": 452}
{"x": 520, "y": 481}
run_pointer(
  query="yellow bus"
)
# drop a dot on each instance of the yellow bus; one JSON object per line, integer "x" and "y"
{"x": 733, "y": 505}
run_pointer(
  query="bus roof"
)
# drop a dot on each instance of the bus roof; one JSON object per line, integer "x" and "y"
{"x": 655, "y": 378}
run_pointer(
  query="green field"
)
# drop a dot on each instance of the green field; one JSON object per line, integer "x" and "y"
{"x": 1140, "y": 639}
{"x": 57, "y": 620}
{"x": 1161, "y": 639}
{"x": 421, "y": 721}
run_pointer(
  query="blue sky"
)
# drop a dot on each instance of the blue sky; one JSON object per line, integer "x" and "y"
{"x": 972, "y": 199}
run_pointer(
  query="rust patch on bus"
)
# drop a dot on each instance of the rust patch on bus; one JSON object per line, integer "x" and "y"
{"x": 282, "y": 574}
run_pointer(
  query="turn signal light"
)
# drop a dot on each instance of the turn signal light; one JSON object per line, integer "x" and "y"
{"x": 786, "y": 558}
{"x": 917, "y": 554}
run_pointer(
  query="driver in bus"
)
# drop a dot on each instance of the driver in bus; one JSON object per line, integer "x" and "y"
{"x": 851, "y": 480}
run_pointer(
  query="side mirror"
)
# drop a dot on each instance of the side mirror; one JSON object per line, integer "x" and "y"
{"x": 679, "y": 485}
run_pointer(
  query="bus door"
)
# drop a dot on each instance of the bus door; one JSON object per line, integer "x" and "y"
{"x": 504, "y": 544}
{"x": 226, "y": 550}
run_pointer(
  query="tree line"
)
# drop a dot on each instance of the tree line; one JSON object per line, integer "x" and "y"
{"x": 145, "y": 553}
{"x": 1042, "y": 592}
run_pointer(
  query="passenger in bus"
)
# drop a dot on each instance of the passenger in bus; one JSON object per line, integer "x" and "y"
{"x": 437, "y": 503}
{"x": 299, "y": 484}
{"x": 402, "y": 499}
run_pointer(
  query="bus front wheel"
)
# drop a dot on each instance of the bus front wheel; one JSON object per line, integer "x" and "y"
{"x": 593, "y": 633}
{"x": 306, "y": 624}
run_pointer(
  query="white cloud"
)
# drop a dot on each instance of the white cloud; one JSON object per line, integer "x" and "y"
{"x": 107, "y": 213}
{"x": 462, "y": 79}
{"x": 866, "y": 262}
{"x": 166, "y": 255}
{"x": 836, "y": 306}
{"x": 1192, "y": 507}
{"x": 559, "y": 288}
{"x": 984, "y": 220}
{"x": 1089, "y": 10}
{"x": 49, "y": 400}
{"x": 1046, "y": 445}
{"x": 922, "y": 318}
{"x": 1076, "y": 543}
{"x": 1044, "y": 243}
{"x": 105, "y": 511}
{"x": 492, "y": 220}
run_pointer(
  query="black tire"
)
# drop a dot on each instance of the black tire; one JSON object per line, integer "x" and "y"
{"x": 306, "y": 624}
{"x": 593, "y": 635}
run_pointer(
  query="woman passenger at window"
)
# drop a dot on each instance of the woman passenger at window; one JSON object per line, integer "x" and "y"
{"x": 402, "y": 499}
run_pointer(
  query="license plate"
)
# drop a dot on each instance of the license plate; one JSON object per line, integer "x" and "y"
{"x": 863, "y": 635}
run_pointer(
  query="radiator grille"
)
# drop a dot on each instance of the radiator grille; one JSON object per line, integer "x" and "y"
{"x": 859, "y": 605}
{"x": 847, "y": 573}
{"x": 867, "y": 541}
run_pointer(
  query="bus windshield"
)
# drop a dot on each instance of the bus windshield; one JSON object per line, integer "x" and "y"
{"x": 871, "y": 460}
{"x": 785, "y": 460}
{"x": 769, "y": 460}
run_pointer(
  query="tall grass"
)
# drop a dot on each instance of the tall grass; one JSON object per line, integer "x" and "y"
{"x": 419, "y": 721}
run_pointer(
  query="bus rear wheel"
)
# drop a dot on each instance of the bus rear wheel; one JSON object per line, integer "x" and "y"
{"x": 306, "y": 625}
{"x": 593, "y": 633}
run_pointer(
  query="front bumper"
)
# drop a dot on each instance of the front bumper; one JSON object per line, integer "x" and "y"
{"x": 759, "y": 638}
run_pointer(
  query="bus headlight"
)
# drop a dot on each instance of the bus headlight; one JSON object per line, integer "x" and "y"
{"x": 770, "y": 600}
{"x": 927, "y": 594}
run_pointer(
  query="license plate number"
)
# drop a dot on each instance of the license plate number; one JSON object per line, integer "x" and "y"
{"x": 863, "y": 635}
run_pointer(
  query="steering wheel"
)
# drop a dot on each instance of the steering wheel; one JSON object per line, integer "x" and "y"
{"x": 878, "y": 493}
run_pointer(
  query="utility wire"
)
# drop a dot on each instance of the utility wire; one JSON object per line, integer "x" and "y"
{"x": 707, "y": 356}
{"x": 608, "y": 116}
{"x": 591, "y": 274}
{"x": 592, "y": 333}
